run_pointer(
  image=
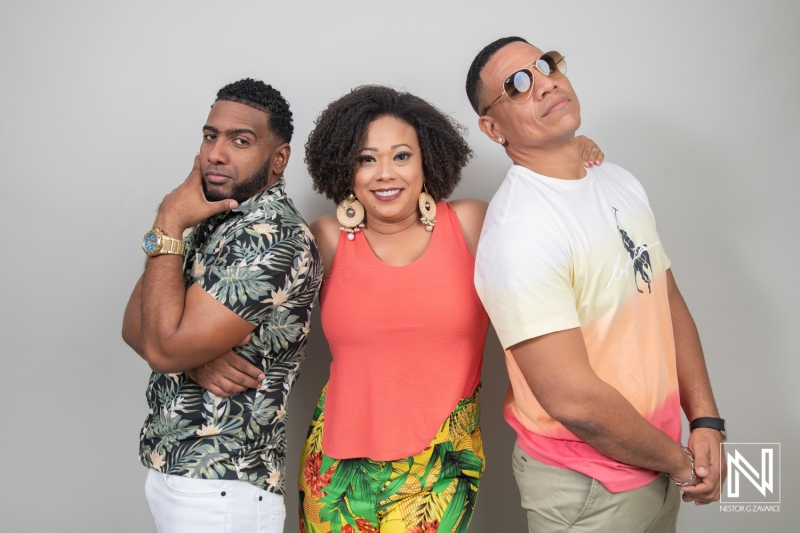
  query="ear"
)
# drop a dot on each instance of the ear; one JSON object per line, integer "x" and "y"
{"x": 280, "y": 158}
{"x": 489, "y": 126}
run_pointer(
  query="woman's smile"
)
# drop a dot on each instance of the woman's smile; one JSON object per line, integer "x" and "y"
{"x": 387, "y": 195}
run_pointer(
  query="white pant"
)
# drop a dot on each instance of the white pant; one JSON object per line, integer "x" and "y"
{"x": 187, "y": 505}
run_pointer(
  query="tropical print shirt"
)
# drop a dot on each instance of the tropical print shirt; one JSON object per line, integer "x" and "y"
{"x": 259, "y": 260}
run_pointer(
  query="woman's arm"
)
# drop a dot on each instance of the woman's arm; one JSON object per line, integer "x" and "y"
{"x": 471, "y": 213}
{"x": 326, "y": 233}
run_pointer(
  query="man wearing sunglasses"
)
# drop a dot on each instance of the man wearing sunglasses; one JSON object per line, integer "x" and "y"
{"x": 601, "y": 350}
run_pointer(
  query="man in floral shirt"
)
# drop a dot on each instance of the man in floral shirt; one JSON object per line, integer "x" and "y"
{"x": 247, "y": 268}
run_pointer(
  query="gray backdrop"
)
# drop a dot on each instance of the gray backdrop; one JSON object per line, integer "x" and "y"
{"x": 101, "y": 110}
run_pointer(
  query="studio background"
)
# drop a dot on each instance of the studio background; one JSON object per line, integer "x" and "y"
{"x": 101, "y": 108}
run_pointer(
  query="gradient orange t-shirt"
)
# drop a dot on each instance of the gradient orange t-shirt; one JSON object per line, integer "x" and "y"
{"x": 559, "y": 254}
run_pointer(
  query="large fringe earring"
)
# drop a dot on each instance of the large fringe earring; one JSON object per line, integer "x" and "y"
{"x": 428, "y": 208}
{"x": 350, "y": 214}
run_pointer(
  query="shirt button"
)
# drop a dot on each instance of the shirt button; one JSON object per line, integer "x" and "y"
{"x": 222, "y": 493}
{"x": 259, "y": 498}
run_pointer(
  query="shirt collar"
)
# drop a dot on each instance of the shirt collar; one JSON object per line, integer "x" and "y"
{"x": 274, "y": 192}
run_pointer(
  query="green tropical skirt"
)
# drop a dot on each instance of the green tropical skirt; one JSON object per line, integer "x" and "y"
{"x": 433, "y": 491}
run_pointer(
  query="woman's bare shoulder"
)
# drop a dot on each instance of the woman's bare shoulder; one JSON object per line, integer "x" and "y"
{"x": 471, "y": 213}
{"x": 326, "y": 233}
{"x": 470, "y": 207}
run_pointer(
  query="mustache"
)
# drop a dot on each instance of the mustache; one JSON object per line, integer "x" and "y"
{"x": 212, "y": 170}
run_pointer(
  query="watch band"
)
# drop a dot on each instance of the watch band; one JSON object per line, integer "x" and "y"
{"x": 172, "y": 246}
{"x": 707, "y": 422}
{"x": 166, "y": 245}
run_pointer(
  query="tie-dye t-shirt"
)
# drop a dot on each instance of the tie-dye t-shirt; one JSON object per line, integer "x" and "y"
{"x": 559, "y": 254}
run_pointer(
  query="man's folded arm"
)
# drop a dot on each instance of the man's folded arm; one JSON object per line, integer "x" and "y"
{"x": 182, "y": 329}
{"x": 223, "y": 375}
{"x": 132, "y": 320}
{"x": 206, "y": 329}
{"x": 556, "y": 367}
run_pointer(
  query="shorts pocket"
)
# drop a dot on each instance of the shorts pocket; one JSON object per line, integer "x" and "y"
{"x": 271, "y": 512}
{"x": 189, "y": 505}
{"x": 196, "y": 488}
{"x": 517, "y": 460}
{"x": 575, "y": 492}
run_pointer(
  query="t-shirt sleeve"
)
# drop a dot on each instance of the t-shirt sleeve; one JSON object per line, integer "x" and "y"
{"x": 523, "y": 275}
{"x": 253, "y": 274}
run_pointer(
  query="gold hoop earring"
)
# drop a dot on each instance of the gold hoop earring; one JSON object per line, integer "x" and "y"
{"x": 428, "y": 208}
{"x": 350, "y": 214}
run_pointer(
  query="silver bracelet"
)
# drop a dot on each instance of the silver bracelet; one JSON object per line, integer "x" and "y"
{"x": 694, "y": 474}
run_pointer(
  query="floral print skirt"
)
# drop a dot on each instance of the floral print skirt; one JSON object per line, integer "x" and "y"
{"x": 433, "y": 491}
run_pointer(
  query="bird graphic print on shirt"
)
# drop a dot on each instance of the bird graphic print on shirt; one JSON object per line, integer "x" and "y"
{"x": 638, "y": 259}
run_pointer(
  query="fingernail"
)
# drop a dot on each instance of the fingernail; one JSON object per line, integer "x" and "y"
{"x": 261, "y": 377}
{"x": 232, "y": 205}
{"x": 702, "y": 471}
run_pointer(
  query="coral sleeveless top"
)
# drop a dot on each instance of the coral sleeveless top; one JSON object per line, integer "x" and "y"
{"x": 407, "y": 344}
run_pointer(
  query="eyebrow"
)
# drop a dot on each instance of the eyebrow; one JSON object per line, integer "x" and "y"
{"x": 231, "y": 133}
{"x": 394, "y": 147}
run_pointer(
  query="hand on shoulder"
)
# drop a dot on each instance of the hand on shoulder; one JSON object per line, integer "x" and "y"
{"x": 471, "y": 213}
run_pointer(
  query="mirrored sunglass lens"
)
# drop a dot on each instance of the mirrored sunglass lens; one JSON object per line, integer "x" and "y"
{"x": 518, "y": 85}
{"x": 545, "y": 65}
{"x": 555, "y": 63}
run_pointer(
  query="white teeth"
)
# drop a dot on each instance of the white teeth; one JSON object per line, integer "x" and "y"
{"x": 387, "y": 193}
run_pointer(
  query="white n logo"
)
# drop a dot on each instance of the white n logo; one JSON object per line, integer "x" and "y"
{"x": 739, "y": 464}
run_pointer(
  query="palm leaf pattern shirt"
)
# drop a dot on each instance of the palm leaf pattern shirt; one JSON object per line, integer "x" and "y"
{"x": 259, "y": 260}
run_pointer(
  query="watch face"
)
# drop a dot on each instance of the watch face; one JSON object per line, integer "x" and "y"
{"x": 150, "y": 242}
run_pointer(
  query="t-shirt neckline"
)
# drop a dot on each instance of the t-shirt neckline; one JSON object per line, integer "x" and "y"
{"x": 558, "y": 182}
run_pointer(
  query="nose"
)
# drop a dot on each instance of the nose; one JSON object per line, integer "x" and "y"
{"x": 542, "y": 85}
{"x": 386, "y": 170}
{"x": 217, "y": 155}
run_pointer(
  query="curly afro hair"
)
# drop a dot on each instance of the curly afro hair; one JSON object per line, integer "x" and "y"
{"x": 263, "y": 97}
{"x": 341, "y": 130}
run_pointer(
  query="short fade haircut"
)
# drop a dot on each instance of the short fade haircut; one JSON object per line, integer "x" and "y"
{"x": 263, "y": 97}
{"x": 474, "y": 83}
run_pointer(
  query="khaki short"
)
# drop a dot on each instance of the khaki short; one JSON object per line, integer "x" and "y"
{"x": 557, "y": 499}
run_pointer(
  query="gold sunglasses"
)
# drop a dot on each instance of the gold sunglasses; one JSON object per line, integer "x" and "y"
{"x": 519, "y": 86}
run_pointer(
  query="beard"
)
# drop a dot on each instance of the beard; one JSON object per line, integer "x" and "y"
{"x": 247, "y": 188}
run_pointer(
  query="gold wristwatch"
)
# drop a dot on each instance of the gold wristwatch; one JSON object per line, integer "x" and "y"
{"x": 156, "y": 243}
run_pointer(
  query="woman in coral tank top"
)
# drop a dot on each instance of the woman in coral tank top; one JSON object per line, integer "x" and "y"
{"x": 395, "y": 445}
